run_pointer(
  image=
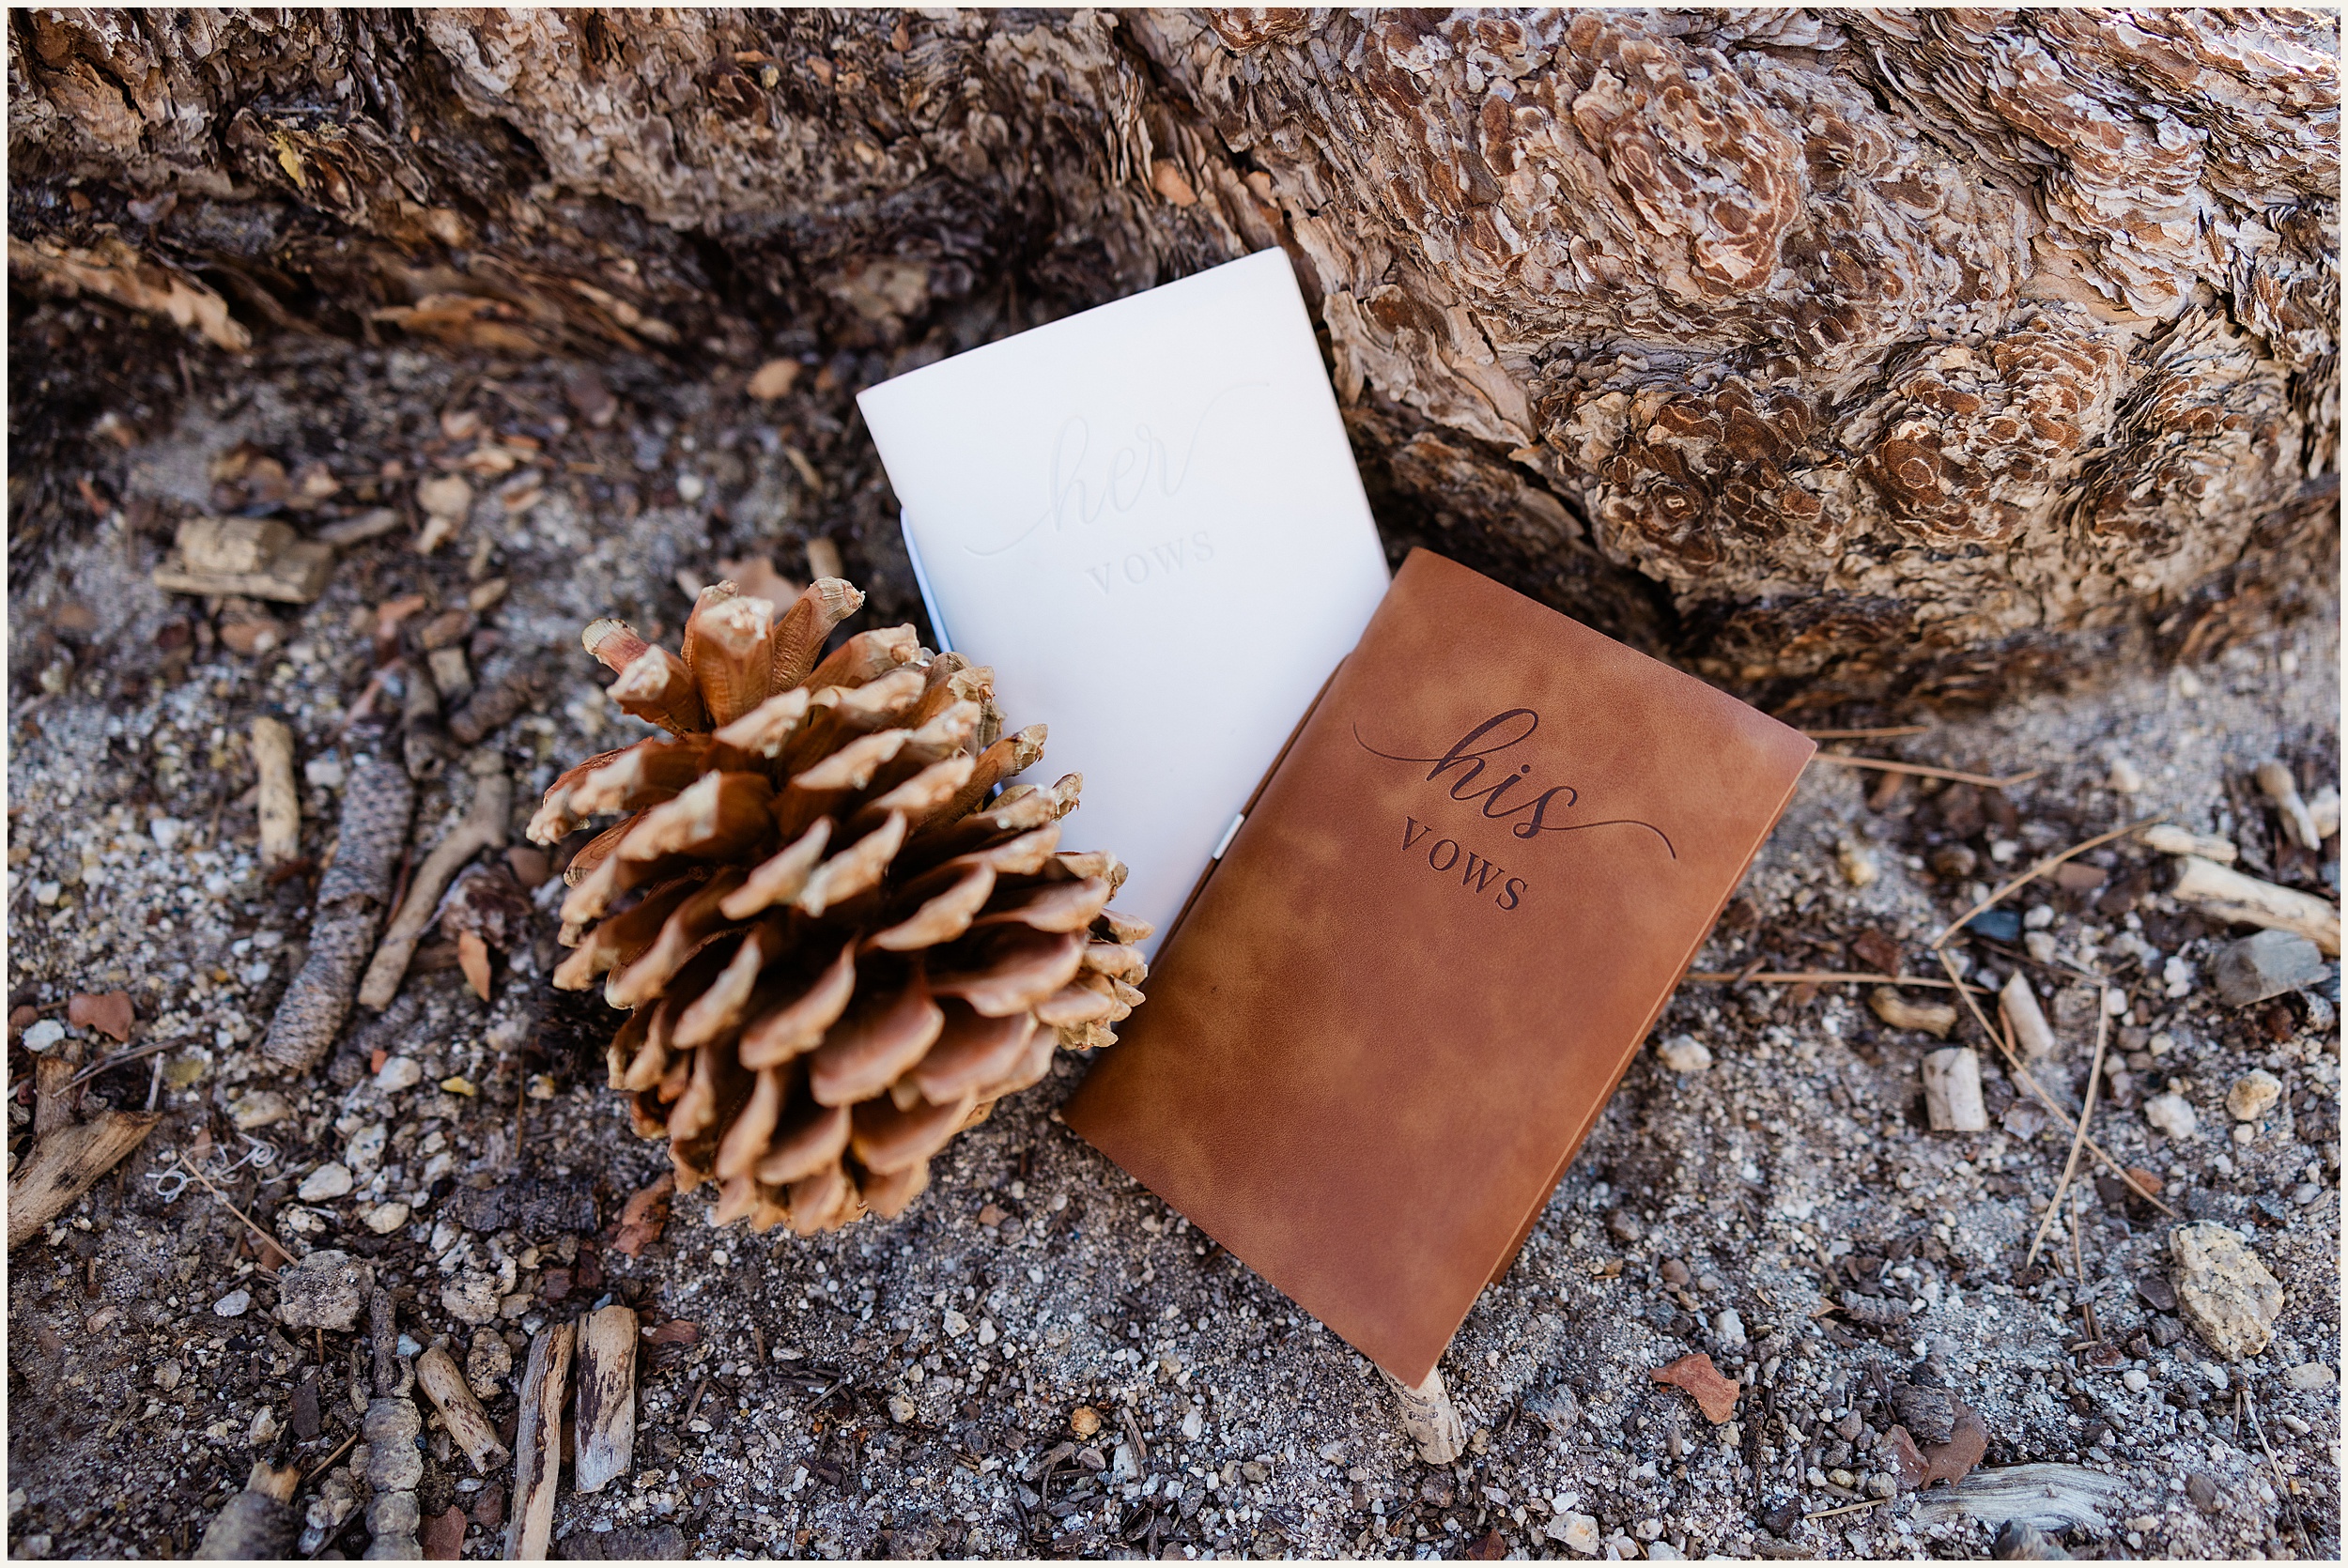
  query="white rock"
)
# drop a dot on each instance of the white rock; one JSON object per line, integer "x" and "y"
{"x": 386, "y": 1218}
{"x": 2136, "y": 1380}
{"x": 233, "y": 1305}
{"x": 327, "y": 1181}
{"x": 1576, "y": 1533}
{"x": 1663, "y": 1552}
{"x": 263, "y": 1109}
{"x": 472, "y": 1298}
{"x": 166, "y": 831}
{"x": 2172, "y": 1114}
{"x": 1856, "y": 863}
{"x": 2124, "y": 778}
{"x": 2040, "y": 945}
{"x": 690, "y": 487}
{"x": 900, "y": 1409}
{"x": 2313, "y": 1376}
{"x": 366, "y": 1150}
{"x": 2253, "y": 1095}
{"x": 2038, "y": 917}
{"x": 1730, "y": 1328}
{"x": 264, "y": 1428}
{"x": 326, "y": 773}
{"x": 956, "y": 1323}
{"x": 1685, "y": 1053}
{"x": 43, "y": 1034}
{"x": 986, "y": 1330}
{"x": 397, "y": 1074}
{"x": 2223, "y": 1291}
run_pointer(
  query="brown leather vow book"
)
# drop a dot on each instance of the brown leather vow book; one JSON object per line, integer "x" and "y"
{"x": 1397, "y": 1004}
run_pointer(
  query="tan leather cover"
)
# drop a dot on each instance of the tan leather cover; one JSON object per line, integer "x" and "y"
{"x": 1396, "y": 1008}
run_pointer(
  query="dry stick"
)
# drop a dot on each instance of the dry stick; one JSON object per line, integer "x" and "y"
{"x": 1884, "y": 734}
{"x": 2034, "y": 873}
{"x": 2283, "y": 1483}
{"x": 1846, "y": 1508}
{"x": 322, "y": 1465}
{"x": 267, "y": 1240}
{"x": 2078, "y": 1133}
{"x": 482, "y": 827}
{"x": 1815, "y": 977}
{"x": 1917, "y": 770}
{"x": 2014, "y": 1065}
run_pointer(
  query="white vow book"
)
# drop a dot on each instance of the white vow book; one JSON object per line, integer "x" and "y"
{"x": 1146, "y": 519}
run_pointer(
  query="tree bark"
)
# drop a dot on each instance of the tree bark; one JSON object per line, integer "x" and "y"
{"x": 1838, "y": 355}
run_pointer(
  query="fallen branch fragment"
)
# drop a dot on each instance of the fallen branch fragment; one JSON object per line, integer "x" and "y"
{"x": 1933, "y": 1017}
{"x": 370, "y": 835}
{"x": 1430, "y": 1420}
{"x": 2228, "y": 894}
{"x": 483, "y": 828}
{"x": 67, "y": 1163}
{"x": 2169, "y": 839}
{"x": 2034, "y": 873}
{"x": 247, "y": 557}
{"x": 1919, "y": 770}
{"x": 2276, "y": 783}
{"x": 279, "y": 801}
{"x": 538, "y": 1443}
{"x": 258, "y": 1524}
{"x": 469, "y": 1424}
{"x": 2026, "y": 1021}
{"x": 1953, "y": 1101}
{"x": 605, "y": 1422}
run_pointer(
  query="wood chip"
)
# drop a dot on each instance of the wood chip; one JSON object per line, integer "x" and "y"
{"x": 2228, "y": 894}
{"x": 67, "y": 1163}
{"x": 537, "y": 1443}
{"x": 254, "y": 558}
{"x": 1715, "y": 1395}
{"x": 280, "y": 804}
{"x": 469, "y": 1425}
{"x": 606, "y": 1416}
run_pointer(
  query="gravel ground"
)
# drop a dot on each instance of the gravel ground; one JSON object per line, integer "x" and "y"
{"x": 1039, "y": 1358}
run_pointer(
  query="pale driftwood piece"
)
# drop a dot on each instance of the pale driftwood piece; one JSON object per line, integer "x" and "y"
{"x": 605, "y": 1424}
{"x": 1933, "y": 1017}
{"x": 469, "y": 1425}
{"x": 256, "y": 557}
{"x": 537, "y": 1443}
{"x": 2051, "y": 1497}
{"x": 280, "y": 800}
{"x": 2169, "y": 839}
{"x": 2033, "y": 1037}
{"x": 482, "y": 827}
{"x": 370, "y": 834}
{"x": 1952, "y": 1099}
{"x": 258, "y": 1524}
{"x": 2230, "y": 895}
{"x": 67, "y": 1163}
{"x": 2276, "y": 783}
{"x": 1428, "y": 1418}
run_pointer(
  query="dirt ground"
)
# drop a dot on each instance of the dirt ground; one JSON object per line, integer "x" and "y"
{"x": 908, "y": 1389}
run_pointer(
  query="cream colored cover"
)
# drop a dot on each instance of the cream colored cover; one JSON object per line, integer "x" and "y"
{"x": 1146, "y": 519}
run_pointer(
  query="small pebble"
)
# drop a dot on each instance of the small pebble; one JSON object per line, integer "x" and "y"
{"x": 2268, "y": 964}
{"x": 2312, "y": 1376}
{"x": 2253, "y": 1095}
{"x": 1730, "y": 1328}
{"x": 1685, "y": 1053}
{"x": 327, "y": 1181}
{"x": 386, "y": 1218}
{"x": 1675, "y": 1273}
{"x": 460, "y": 1085}
{"x": 326, "y": 773}
{"x": 2038, "y": 917}
{"x": 263, "y": 1109}
{"x": 2136, "y": 1380}
{"x": 2040, "y": 945}
{"x": 2124, "y": 778}
{"x": 2223, "y": 1291}
{"x": 1084, "y": 1421}
{"x": 399, "y": 1073}
{"x": 233, "y": 1305}
{"x": 2172, "y": 1114}
{"x": 956, "y": 1323}
{"x": 42, "y": 1035}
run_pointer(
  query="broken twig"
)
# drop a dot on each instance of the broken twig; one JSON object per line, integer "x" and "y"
{"x": 2078, "y": 1133}
{"x": 605, "y": 1422}
{"x": 538, "y": 1443}
{"x": 280, "y": 804}
{"x": 482, "y": 827}
{"x": 2034, "y": 873}
{"x": 1919, "y": 770}
{"x": 67, "y": 1163}
{"x": 469, "y": 1425}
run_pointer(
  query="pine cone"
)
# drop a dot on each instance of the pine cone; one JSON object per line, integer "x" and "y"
{"x": 839, "y": 942}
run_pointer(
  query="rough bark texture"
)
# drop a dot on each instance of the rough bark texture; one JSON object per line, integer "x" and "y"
{"x": 1838, "y": 354}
